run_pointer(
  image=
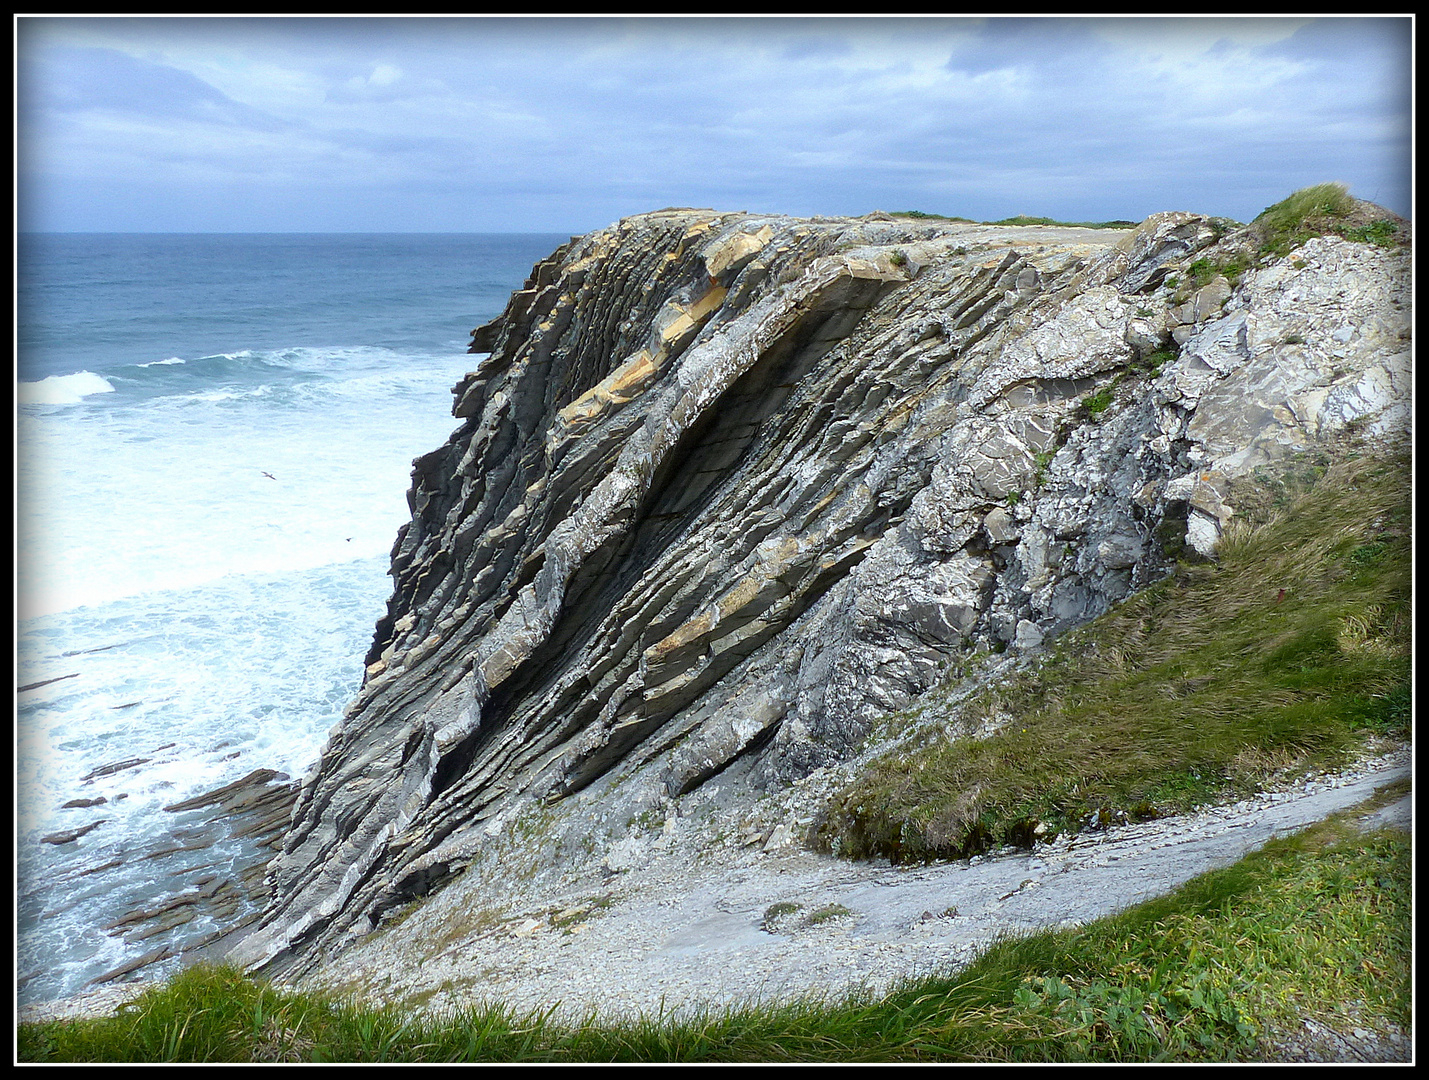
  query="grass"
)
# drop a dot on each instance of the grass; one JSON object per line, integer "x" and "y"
{"x": 920, "y": 215}
{"x": 1020, "y": 219}
{"x": 1024, "y": 219}
{"x": 1212, "y": 972}
{"x": 1153, "y": 363}
{"x": 1285, "y": 655}
{"x": 1204, "y": 271}
{"x": 775, "y": 912}
{"x": 828, "y": 913}
{"x": 1315, "y": 211}
{"x": 1098, "y": 403}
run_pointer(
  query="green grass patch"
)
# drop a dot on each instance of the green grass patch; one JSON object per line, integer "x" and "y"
{"x": 1318, "y": 210}
{"x": 775, "y": 912}
{"x": 1306, "y": 205}
{"x": 1285, "y": 654}
{"x": 1152, "y": 363}
{"x": 1381, "y": 233}
{"x": 1212, "y": 972}
{"x": 919, "y": 214}
{"x": 828, "y": 913}
{"x": 1096, "y": 404}
{"x": 1204, "y": 271}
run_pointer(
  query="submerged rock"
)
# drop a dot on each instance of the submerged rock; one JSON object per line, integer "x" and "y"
{"x": 69, "y": 836}
{"x": 730, "y": 488}
{"x": 225, "y": 888}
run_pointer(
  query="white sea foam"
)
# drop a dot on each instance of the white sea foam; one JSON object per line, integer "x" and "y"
{"x": 161, "y": 363}
{"x": 64, "y": 389}
{"x": 196, "y": 688}
{"x": 171, "y": 492}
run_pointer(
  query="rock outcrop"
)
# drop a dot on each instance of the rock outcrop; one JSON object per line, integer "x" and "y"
{"x": 728, "y": 488}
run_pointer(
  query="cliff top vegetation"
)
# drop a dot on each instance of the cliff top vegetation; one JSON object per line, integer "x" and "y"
{"x": 1327, "y": 209}
{"x": 1318, "y": 210}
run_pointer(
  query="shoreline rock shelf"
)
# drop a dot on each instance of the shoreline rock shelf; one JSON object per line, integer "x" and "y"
{"x": 227, "y": 892}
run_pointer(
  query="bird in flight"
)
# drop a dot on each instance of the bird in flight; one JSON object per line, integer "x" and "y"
{"x": 269, "y": 475}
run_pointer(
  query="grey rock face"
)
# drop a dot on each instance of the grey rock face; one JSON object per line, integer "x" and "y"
{"x": 730, "y": 488}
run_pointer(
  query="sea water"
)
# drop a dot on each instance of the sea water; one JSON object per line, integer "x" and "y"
{"x": 215, "y": 436}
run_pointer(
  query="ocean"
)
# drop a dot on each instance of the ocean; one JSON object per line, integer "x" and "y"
{"x": 214, "y": 445}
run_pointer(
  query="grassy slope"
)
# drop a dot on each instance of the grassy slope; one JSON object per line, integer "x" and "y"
{"x": 1325, "y": 209}
{"x": 1286, "y": 654}
{"x": 1215, "y": 971}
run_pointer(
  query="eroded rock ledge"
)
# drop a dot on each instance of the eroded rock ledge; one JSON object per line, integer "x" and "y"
{"x": 728, "y": 488}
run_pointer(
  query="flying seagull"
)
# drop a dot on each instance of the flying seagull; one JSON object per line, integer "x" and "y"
{"x": 269, "y": 475}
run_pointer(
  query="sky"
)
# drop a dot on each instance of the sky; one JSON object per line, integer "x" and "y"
{"x": 566, "y": 125}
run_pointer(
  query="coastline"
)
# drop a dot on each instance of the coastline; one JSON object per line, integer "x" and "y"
{"x": 686, "y": 932}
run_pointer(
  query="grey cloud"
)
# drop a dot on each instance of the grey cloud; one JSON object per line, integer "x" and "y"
{"x": 79, "y": 79}
{"x": 595, "y": 118}
{"x": 1026, "y": 43}
{"x": 1349, "y": 41}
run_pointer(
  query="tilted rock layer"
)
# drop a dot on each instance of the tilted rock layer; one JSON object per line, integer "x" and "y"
{"x": 730, "y": 488}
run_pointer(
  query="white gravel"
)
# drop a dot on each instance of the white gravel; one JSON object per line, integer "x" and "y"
{"x": 687, "y": 929}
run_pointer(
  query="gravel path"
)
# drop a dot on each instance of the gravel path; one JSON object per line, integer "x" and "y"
{"x": 679, "y": 934}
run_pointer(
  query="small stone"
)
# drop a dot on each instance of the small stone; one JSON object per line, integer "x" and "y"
{"x": 1029, "y": 635}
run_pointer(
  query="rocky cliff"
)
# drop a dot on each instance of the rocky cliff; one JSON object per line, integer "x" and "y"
{"x": 728, "y": 488}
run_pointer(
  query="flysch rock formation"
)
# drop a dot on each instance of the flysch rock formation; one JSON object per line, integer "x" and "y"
{"x": 728, "y": 488}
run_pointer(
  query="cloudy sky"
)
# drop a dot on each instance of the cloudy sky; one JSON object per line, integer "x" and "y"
{"x": 438, "y": 125}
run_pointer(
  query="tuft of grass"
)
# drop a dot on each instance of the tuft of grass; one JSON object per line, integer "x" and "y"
{"x": 1152, "y": 363}
{"x": 1307, "y": 204}
{"x": 1221, "y": 969}
{"x": 1204, "y": 271}
{"x": 1318, "y": 210}
{"x": 774, "y": 912}
{"x": 1096, "y": 404}
{"x": 1287, "y": 653}
{"x": 828, "y": 913}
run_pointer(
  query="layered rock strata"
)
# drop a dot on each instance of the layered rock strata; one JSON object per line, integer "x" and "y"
{"x": 730, "y": 488}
